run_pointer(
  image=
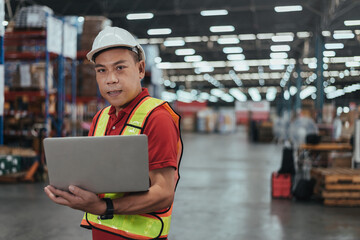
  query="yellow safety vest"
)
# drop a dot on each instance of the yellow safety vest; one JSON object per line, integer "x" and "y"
{"x": 143, "y": 226}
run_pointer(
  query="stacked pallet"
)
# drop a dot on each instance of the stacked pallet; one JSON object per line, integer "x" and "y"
{"x": 337, "y": 186}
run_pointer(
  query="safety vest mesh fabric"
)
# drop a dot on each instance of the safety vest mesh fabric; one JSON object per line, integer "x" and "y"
{"x": 142, "y": 226}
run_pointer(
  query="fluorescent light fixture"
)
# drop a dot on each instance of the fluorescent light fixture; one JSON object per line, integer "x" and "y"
{"x": 247, "y": 37}
{"x": 352, "y": 23}
{"x": 286, "y": 95}
{"x": 254, "y": 94}
{"x": 352, "y": 64}
{"x": 217, "y": 92}
{"x": 303, "y": 34}
{"x": 157, "y": 60}
{"x": 229, "y": 50}
{"x": 174, "y": 43}
{"x": 204, "y": 69}
{"x": 329, "y": 89}
{"x": 168, "y": 96}
{"x": 139, "y": 16}
{"x": 312, "y": 65}
{"x": 225, "y": 28}
{"x": 235, "y": 78}
{"x": 213, "y": 99}
{"x": 239, "y": 95}
{"x": 227, "y": 98}
{"x": 263, "y": 36}
{"x": 326, "y": 33}
{"x": 185, "y": 51}
{"x": 329, "y": 53}
{"x": 80, "y": 20}
{"x": 282, "y": 38}
{"x": 159, "y": 31}
{"x": 343, "y": 34}
{"x": 334, "y": 46}
{"x": 280, "y": 48}
{"x": 241, "y": 68}
{"x": 235, "y": 57}
{"x": 219, "y": 12}
{"x": 306, "y": 92}
{"x": 276, "y": 67}
{"x": 193, "y": 39}
{"x": 225, "y": 40}
{"x": 194, "y": 58}
{"x": 204, "y": 95}
{"x": 271, "y": 94}
{"x": 335, "y": 94}
{"x": 291, "y": 8}
{"x": 293, "y": 90}
{"x": 278, "y": 55}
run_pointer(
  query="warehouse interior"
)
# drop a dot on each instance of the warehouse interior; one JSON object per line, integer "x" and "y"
{"x": 267, "y": 91}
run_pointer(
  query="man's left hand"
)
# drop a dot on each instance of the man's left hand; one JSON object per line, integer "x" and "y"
{"x": 77, "y": 198}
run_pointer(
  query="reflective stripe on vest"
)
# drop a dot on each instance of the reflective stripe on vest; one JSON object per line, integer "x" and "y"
{"x": 142, "y": 226}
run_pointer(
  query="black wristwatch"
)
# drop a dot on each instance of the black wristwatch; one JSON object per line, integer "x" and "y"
{"x": 109, "y": 213}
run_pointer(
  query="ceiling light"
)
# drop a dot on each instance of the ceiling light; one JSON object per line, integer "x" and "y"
{"x": 329, "y": 53}
{"x": 159, "y": 31}
{"x": 157, "y": 60}
{"x": 224, "y": 40}
{"x": 204, "y": 69}
{"x": 286, "y": 95}
{"x": 334, "y": 45}
{"x": 293, "y": 90}
{"x": 239, "y": 95}
{"x": 168, "y": 96}
{"x": 280, "y": 48}
{"x": 174, "y": 43}
{"x": 241, "y": 68}
{"x": 352, "y": 22}
{"x": 184, "y": 51}
{"x": 247, "y": 37}
{"x": 227, "y": 98}
{"x": 264, "y": 36}
{"x": 193, "y": 39}
{"x": 254, "y": 94}
{"x": 306, "y": 92}
{"x": 279, "y": 55}
{"x": 217, "y": 92}
{"x": 343, "y": 35}
{"x": 352, "y": 64}
{"x": 276, "y": 67}
{"x": 229, "y": 50}
{"x": 235, "y": 78}
{"x": 303, "y": 34}
{"x": 271, "y": 94}
{"x": 235, "y": 57}
{"x": 219, "y": 12}
{"x": 80, "y": 20}
{"x": 292, "y": 8}
{"x": 139, "y": 16}
{"x": 225, "y": 28}
{"x": 326, "y": 33}
{"x": 282, "y": 38}
{"x": 194, "y": 58}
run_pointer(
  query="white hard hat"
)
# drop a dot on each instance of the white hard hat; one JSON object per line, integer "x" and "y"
{"x": 115, "y": 37}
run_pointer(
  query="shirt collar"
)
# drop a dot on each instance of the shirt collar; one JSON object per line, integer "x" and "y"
{"x": 132, "y": 104}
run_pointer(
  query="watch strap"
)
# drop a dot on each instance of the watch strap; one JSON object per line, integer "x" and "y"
{"x": 109, "y": 213}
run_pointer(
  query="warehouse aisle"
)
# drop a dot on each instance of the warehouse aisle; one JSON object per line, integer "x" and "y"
{"x": 224, "y": 193}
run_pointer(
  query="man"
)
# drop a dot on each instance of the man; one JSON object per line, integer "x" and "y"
{"x": 120, "y": 66}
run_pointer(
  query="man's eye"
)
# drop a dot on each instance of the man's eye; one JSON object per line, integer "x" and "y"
{"x": 119, "y": 67}
{"x": 100, "y": 70}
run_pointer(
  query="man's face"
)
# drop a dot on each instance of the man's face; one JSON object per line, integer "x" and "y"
{"x": 118, "y": 76}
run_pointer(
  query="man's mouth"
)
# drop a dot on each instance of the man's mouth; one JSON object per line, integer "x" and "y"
{"x": 114, "y": 93}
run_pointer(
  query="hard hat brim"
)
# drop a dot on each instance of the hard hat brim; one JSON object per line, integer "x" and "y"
{"x": 91, "y": 54}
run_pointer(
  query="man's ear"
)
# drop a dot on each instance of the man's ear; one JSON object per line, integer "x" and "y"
{"x": 142, "y": 69}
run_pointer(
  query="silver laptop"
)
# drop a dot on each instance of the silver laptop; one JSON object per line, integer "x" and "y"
{"x": 106, "y": 164}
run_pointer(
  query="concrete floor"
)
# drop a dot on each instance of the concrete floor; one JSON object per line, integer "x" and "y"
{"x": 224, "y": 193}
